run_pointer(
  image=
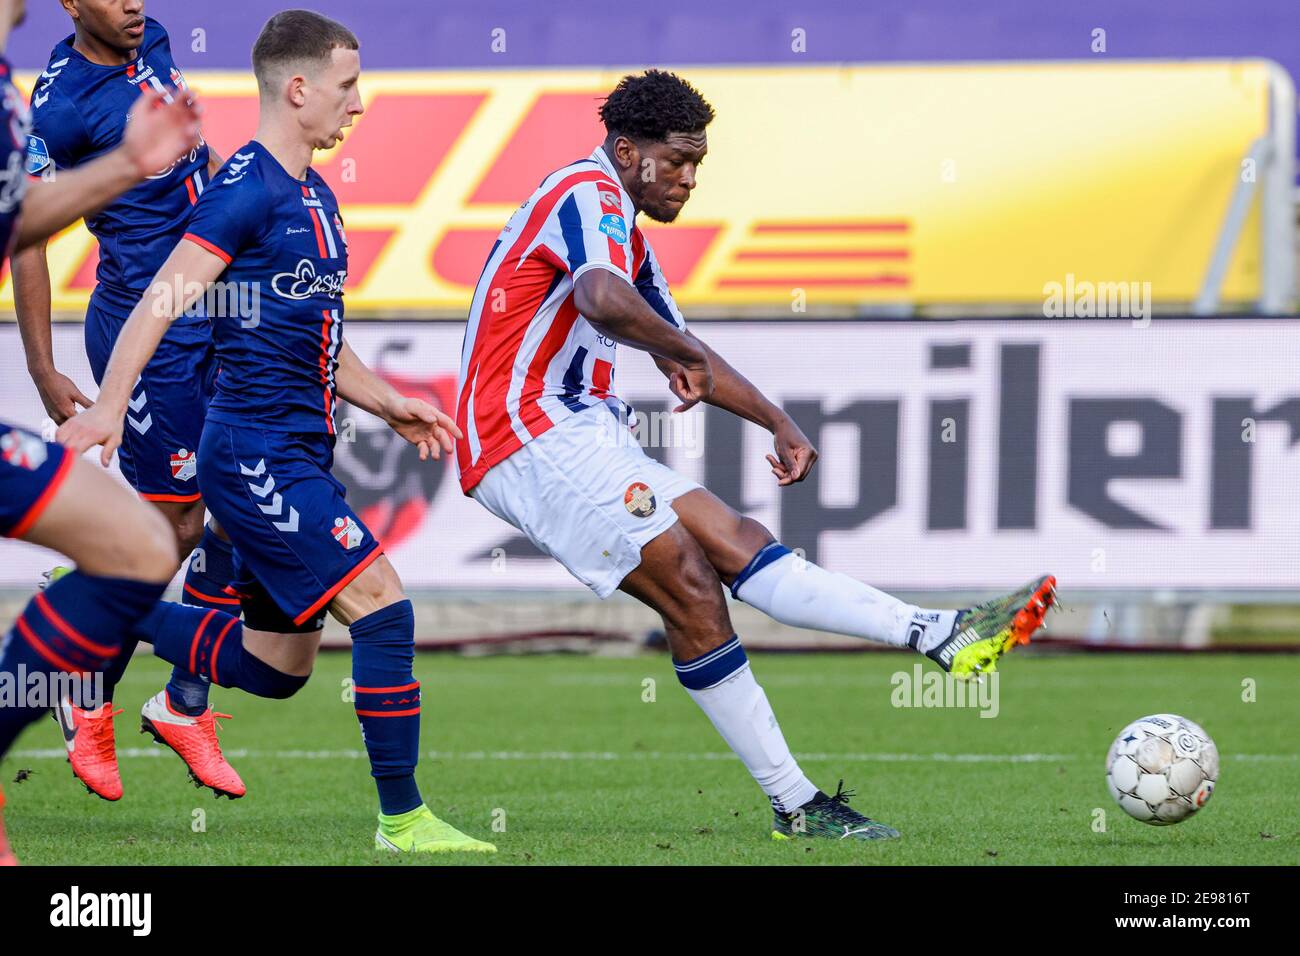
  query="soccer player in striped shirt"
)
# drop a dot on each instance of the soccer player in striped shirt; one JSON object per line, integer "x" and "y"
{"x": 544, "y": 447}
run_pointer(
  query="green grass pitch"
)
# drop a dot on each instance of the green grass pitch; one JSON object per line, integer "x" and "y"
{"x": 572, "y": 766}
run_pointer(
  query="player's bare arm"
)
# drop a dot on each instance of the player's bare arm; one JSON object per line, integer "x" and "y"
{"x": 424, "y": 426}
{"x": 59, "y": 394}
{"x": 156, "y": 134}
{"x": 189, "y": 267}
{"x": 734, "y": 393}
{"x": 615, "y": 309}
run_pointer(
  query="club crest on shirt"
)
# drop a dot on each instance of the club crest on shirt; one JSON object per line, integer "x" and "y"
{"x": 347, "y": 532}
{"x": 639, "y": 500}
{"x": 185, "y": 464}
{"x": 23, "y": 450}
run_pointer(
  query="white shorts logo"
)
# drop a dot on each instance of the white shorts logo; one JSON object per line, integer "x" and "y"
{"x": 639, "y": 499}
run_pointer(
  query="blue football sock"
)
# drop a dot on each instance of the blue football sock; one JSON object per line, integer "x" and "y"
{"x": 208, "y": 572}
{"x": 75, "y": 626}
{"x": 210, "y": 645}
{"x": 388, "y": 702}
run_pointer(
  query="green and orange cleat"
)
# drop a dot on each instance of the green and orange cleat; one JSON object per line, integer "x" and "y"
{"x": 983, "y": 633}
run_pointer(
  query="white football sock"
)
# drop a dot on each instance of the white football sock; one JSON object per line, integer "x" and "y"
{"x": 739, "y": 710}
{"x": 801, "y": 594}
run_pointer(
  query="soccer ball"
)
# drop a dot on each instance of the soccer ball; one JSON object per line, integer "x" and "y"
{"x": 1162, "y": 769}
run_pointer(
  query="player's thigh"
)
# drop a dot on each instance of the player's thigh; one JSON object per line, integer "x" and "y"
{"x": 676, "y": 579}
{"x": 293, "y": 654}
{"x": 105, "y": 529}
{"x": 729, "y": 539}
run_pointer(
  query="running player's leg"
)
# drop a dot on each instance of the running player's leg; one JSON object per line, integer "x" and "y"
{"x": 303, "y": 552}
{"x": 124, "y": 553}
{"x": 770, "y": 577}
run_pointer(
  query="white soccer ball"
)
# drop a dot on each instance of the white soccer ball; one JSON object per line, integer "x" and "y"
{"x": 1162, "y": 769}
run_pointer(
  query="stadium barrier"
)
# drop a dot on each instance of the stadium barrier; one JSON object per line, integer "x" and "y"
{"x": 831, "y": 190}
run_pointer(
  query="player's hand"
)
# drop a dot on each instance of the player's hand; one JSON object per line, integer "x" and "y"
{"x": 157, "y": 132}
{"x": 424, "y": 426}
{"x": 60, "y": 396}
{"x": 97, "y": 425}
{"x": 692, "y": 384}
{"x": 794, "y": 456}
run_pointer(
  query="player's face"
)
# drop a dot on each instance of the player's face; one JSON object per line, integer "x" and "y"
{"x": 333, "y": 99}
{"x": 666, "y": 174}
{"x": 115, "y": 23}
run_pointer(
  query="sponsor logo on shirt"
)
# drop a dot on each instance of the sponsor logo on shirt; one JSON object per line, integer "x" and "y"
{"x": 303, "y": 282}
{"x": 614, "y": 226}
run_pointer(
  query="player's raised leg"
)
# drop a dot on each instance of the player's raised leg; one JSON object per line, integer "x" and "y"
{"x": 675, "y": 578}
{"x": 125, "y": 555}
{"x": 770, "y": 577}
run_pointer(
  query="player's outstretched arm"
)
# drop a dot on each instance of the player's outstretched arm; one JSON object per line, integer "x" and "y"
{"x": 191, "y": 268}
{"x": 156, "y": 133}
{"x": 614, "y": 308}
{"x": 733, "y": 392}
{"x": 59, "y": 394}
{"x": 424, "y": 426}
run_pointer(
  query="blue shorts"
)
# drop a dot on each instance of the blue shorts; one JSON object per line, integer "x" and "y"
{"x": 165, "y": 416}
{"x": 31, "y": 472}
{"x": 296, "y": 540}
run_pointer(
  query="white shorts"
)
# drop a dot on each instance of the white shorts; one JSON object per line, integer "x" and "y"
{"x": 586, "y": 493}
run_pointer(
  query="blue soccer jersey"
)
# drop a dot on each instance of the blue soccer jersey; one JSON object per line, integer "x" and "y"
{"x": 79, "y": 112}
{"x": 13, "y": 139}
{"x": 285, "y": 252}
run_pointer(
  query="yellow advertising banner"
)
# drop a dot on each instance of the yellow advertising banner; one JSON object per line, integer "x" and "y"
{"x": 839, "y": 187}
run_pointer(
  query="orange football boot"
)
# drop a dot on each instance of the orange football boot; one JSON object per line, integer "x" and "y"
{"x": 88, "y": 736}
{"x": 195, "y": 741}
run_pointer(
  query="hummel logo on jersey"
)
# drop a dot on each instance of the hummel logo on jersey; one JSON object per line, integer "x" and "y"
{"x": 23, "y": 450}
{"x": 347, "y": 532}
{"x": 312, "y": 202}
{"x": 48, "y": 75}
{"x": 236, "y": 166}
{"x": 274, "y": 508}
{"x": 303, "y": 282}
{"x": 142, "y": 77}
{"x": 967, "y": 636}
{"x": 185, "y": 464}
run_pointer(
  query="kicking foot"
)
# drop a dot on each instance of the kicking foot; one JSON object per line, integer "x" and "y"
{"x": 419, "y": 831}
{"x": 194, "y": 739}
{"x": 88, "y": 737}
{"x": 983, "y": 633}
{"x": 830, "y": 818}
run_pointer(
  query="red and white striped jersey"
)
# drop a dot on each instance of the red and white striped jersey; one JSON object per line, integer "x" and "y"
{"x": 529, "y": 359}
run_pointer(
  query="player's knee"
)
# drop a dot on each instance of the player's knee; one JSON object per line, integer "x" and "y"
{"x": 189, "y": 528}
{"x": 376, "y": 588}
{"x": 152, "y": 555}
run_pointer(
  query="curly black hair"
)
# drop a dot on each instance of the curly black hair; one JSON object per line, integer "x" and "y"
{"x": 648, "y": 107}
